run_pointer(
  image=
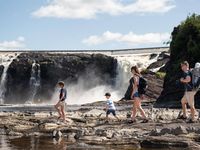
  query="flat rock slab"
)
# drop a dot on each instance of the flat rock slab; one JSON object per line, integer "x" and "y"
{"x": 167, "y": 142}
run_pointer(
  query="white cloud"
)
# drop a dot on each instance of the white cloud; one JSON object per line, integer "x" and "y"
{"x": 88, "y": 9}
{"x": 130, "y": 38}
{"x": 13, "y": 45}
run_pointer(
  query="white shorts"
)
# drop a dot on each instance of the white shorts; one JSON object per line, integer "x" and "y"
{"x": 189, "y": 98}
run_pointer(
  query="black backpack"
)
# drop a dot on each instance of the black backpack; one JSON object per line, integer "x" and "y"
{"x": 142, "y": 86}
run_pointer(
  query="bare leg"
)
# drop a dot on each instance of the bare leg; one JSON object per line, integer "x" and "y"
{"x": 192, "y": 113}
{"x": 184, "y": 107}
{"x": 135, "y": 106}
{"x": 63, "y": 113}
{"x": 142, "y": 112}
{"x": 106, "y": 117}
{"x": 117, "y": 118}
{"x": 58, "y": 110}
{"x": 192, "y": 108}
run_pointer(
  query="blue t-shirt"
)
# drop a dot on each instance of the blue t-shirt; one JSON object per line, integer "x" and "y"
{"x": 63, "y": 94}
{"x": 187, "y": 86}
{"x": 110, "y": 104}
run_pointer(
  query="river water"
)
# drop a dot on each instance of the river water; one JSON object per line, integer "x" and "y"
{"x": 49, "y": 143}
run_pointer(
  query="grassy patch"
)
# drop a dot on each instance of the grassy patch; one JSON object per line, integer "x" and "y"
{"x": 160, "y": 75}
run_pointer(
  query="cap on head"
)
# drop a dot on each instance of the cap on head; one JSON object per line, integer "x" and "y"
{"x": 185, "y": 63}
{"x": 61, "y": 83}
{"x": 107, "y": 94}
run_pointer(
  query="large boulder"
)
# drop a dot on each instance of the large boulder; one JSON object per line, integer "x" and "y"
{"x": 55, "y": 67}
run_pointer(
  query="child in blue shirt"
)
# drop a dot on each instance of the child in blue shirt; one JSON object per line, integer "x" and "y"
{"x": 110, "y": 107}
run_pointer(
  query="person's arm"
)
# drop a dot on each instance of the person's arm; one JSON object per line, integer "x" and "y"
{"x": 134, "y": 87}
{"x": 106, "y": 107}
{"x": 186, "y": 80}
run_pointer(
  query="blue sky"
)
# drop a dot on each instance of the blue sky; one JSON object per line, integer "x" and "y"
{"x": 90, "y": 24}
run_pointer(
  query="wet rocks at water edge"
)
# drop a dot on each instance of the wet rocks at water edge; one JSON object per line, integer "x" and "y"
{"x": 57, "y": 133}
{"x": 90, "y": 128}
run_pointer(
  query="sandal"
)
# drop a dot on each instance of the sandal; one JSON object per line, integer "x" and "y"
{"x": 132, "y": 121}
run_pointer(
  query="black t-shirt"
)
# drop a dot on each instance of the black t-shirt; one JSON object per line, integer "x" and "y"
{"x": 63, "y": 94}
{"x": 187, "y": 86}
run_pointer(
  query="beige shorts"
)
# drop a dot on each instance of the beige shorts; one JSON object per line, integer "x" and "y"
{"x": 61, "y": 103}
{"x": 189, "y": 98}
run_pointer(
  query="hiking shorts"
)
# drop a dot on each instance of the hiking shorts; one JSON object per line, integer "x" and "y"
{"x": 61, "y": 103}
{"x": 189, "y": 98}
{"x": 111, "y": 111}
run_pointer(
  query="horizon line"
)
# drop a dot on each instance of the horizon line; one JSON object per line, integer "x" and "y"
{"x": 82, "y": 50}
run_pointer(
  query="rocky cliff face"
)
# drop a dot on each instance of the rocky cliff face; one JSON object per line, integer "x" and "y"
{"x": 55, "y": 67}
{"x": 1, "y": 70}
{"x": 172, "y": 92}
{"x": 184, "y": 46}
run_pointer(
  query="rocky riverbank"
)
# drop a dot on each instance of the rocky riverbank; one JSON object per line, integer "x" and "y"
{"x": 87, "y": 125}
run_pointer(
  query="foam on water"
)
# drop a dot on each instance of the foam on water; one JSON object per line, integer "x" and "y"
{"x": 34, "y": 82}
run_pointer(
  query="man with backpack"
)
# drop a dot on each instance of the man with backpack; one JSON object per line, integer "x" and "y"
{"x": 189, "y": 94}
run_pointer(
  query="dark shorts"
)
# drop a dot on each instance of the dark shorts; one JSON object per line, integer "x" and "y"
{"x": 111, "y": 111}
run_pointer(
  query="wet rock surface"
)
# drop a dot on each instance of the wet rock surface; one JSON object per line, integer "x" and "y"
{"x": 155, "y": 85}
{"x": 89, "y": 127}
{"x": 161, "y": 62}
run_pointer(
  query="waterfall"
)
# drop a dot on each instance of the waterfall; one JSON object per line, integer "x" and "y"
{"x": 125, "y": 62}
{"x": 34, "y": 82}
{"x": 96, "y": 93}
{"x": 6, "y": 60}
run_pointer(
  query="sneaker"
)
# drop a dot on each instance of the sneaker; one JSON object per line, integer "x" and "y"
{"x": 182, "y": 117}
{"x": 145, "y": 121}
{"x": 190, "y": 121}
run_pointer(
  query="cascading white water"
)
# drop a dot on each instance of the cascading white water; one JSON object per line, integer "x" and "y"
{"x": 34, "y": 82}
{"x": 6, "y": 60}
{"x": 125, "y": 62}
{"x": 79, "y": 93}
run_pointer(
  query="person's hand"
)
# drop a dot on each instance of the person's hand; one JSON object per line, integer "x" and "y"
{"x": 142, "y": 97}
{"x": 181, "y": 79}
